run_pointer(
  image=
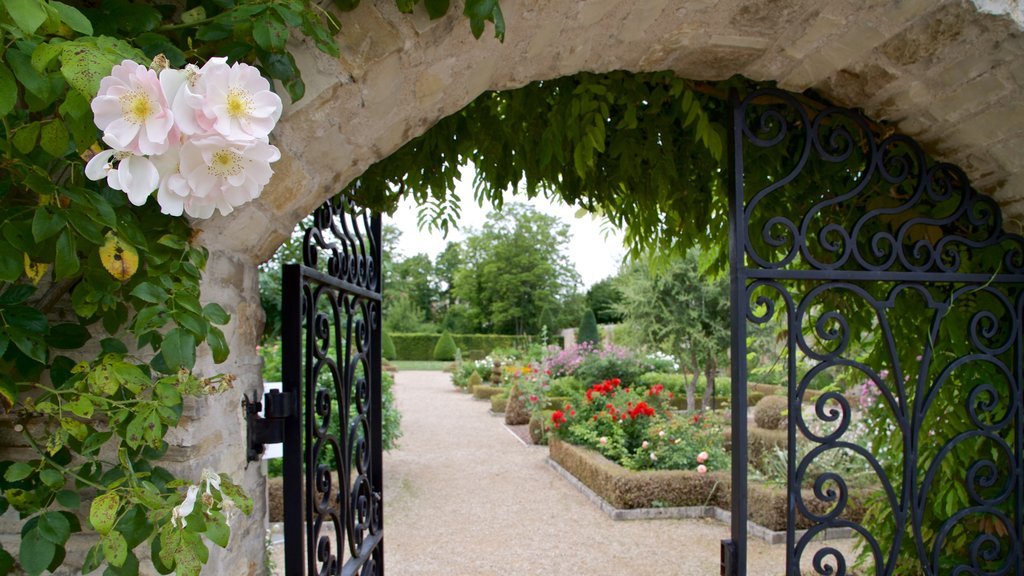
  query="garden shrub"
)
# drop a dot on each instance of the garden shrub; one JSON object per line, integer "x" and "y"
{"x": 763, "y": 443}
{"x": 516, "y": 411}
{"x": 445, "y": 348}
{"x": 499, "y": 403}
{"x": 538, "y": 426}
{"x": 754, "y": 397}
{"x": 387, "y": 346}
{"x": 771, "y": 412}
{"x": 474, "y": 381}
{"x": 556, "y": 402}
{"x": 565, "y": 386}
{"x": 484, "y": 392}
{"x": 414, "y": 346}
{"x": 587, "y": 333}
{"x": 674, "y": 382}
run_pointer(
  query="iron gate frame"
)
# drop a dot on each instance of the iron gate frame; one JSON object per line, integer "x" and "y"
{"x": 748, "y": 272}
{"x": 350, "y": 237}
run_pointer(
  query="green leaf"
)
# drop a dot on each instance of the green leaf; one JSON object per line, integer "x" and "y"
{"x": 72, "y": 17}
{"x": 218, "y": 345}
{"x": 135, "y": 527}
{"x": 54, "y": 138}
{"x": 53, "y": 479}
{"x": 26, "y": 318}
{"x": 53, "y": 526}
{"x": 167, "y": 394}
{"x": 11, "y": 265}
{"x": 36, "y": 552}
{"x": 68, "y": 336}
{"x": 84, "y": 62}
{"x": 405, "y": 6}
{"x": 69, "y": 499}
{"x": 81, "y": 407}
{"x": 6, "y": 562}
{"x": 115, "y": 549}
{"x": 193, "y": 16}
{"x": 346, "y": 5}
{"x": 44, "y": 54}
{"x": 216, "y": 314}
{"x": 218, "y": 533}
{"x": 25, "y": 137}
{"x": 29, "y": 15}
{"x": 270, "y": 32}
{"x": 46, "y": 223}
{"x": 8, "y": 90}
{"x": 16, "y": 294}
{"x": 179, "y": 349}
{"x": 151, "y": 293}
{"x": 18, "y": 471}
{"x": 8, "y": 387}
{"x": 103, "y": 511}
{"x": 35, "y": 83}
{"x": 67, "y": 262}
{"x": 436, "y": 8}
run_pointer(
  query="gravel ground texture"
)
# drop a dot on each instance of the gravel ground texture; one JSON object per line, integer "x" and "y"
{"x": 464, "y": 496}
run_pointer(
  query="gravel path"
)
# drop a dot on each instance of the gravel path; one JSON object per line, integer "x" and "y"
{"x": 464, "y": 496}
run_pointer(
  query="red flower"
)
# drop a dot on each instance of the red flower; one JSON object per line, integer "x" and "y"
{"x": 557, "y": 418}
{"x": 641, "y": 409}
{"x": 696, "y": 418}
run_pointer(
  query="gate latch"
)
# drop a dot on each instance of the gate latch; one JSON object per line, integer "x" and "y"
{"x": 269, "y": 428}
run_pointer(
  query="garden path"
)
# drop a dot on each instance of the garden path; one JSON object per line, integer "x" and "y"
{"x": 464, "y": 496}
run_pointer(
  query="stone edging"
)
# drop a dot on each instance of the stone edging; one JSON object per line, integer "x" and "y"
{"x": 692, "y": 512}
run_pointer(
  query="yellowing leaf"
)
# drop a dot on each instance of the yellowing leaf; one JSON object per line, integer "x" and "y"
{"x": 119, "y": 258}
{"x": 35, "y": 270}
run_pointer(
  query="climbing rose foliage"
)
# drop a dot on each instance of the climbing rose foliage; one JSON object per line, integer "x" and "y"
{"x": 198, "y": 136}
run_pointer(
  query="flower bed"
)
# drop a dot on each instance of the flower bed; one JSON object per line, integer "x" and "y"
{"x": 626, "y": 489}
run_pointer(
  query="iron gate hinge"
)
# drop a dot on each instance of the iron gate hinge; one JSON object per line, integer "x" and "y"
{"x": 729, "y": 558}
{"x": 269, "y": 428}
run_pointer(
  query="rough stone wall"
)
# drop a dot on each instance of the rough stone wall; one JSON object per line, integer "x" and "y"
{"x": 949, "y": 73}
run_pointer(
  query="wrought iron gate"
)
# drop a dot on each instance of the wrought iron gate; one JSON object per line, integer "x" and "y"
{"x": 836, "y": 226}
{"x": 329, "y": 410}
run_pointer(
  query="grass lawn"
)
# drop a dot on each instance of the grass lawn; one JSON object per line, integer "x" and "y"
{"x": 437, "y": 365}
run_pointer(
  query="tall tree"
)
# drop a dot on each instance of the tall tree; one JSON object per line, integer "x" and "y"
{"x": 515, "y": 271}
{"x": 604, "y": 298}
{"x": 674, "y": 308}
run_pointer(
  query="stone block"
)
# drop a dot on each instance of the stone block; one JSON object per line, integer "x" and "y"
{"x": 366, "y": 38}
{"x": 641, "y": 17}
{"x": 926, "y": 36}
{"x": 969, "y": 97}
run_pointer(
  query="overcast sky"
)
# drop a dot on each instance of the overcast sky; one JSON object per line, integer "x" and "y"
{"x": 595, "y": 248}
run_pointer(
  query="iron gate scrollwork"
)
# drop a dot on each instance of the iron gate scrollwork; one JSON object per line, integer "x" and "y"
{"x": 900, "y": 298}
{"x": 331, "y": 365}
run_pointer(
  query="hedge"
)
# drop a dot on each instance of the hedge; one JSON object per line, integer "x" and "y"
{"x": 413, "y": 346}
{"x": 626, "y": 489}
{"x": 484, "y": 392}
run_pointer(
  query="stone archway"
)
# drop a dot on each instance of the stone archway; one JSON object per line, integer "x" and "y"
{"x": 948, "y": 74}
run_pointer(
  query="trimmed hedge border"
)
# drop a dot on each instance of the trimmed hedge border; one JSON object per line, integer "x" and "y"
{"x": 627, "y": 495}
{"x": 420, "y": 346}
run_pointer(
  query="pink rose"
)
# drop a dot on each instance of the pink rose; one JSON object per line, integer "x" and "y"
{"x": 702, "y": 457}
{"x": 702, "y": 469}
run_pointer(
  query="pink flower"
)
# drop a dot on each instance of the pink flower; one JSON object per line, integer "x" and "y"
{"x": 645, "y": 445}
{"x": 133, "y": 111}
{"x": 603, "y": 440}
{"x": 135, "y": 175}
{"x": 233, "y": 101}
{"x": 702, "y": 469}
{"x": 533, "y": 398}
{"x": 222, "y": 175}
{"x": 702, "y": 457}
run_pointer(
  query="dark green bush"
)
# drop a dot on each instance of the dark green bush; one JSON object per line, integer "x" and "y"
{"x": 588, "y": 329}
{"x": 445, "y": 348}
{"x": 771, "y": 412}
{"x": 387, "y": 346}
{"x": 565, "y": 386}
